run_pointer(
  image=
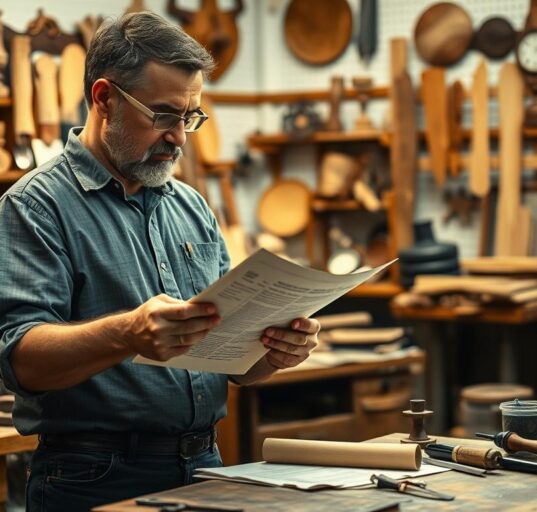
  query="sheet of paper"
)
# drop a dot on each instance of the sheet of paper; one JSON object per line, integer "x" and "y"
{"x": 306, "y": 477}
{"x": 263, "y": 290}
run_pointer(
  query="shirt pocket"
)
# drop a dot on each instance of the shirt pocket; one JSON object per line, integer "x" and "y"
{"x": 203, "y": 263}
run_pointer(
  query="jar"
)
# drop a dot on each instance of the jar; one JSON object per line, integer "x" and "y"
{"x": 520, "y": 416}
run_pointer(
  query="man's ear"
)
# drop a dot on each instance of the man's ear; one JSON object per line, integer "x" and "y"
{"x": 102, "y": 98}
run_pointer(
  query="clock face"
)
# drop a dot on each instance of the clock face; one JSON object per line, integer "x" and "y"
{"x": 527, "y": 52}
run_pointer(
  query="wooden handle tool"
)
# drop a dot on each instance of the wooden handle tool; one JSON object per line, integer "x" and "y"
{"x": 455, "y": 103}
{"x": 72, "y": 82}
{"x": 434, "y": 97}
{"x": 508, "y": 239}
{"x": 511, "y": 442}
{"x": 48, "y": 111}
{"x": 21, "y": 73}
{"x": 479, "y": 153}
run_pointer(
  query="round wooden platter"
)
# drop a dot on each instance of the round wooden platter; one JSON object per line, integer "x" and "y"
{"x": 284, "y": 208}
{"x": 443, "y": 34}
{"x": 318, "y": 31}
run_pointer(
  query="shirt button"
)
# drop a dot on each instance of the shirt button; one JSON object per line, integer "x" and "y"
{"x": 163, "y": 265}
{"x": 116, "y": 185}
{"x": 199, "y": 397}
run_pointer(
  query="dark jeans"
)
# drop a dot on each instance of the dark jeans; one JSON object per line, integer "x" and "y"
{"x": 75, "y": 482}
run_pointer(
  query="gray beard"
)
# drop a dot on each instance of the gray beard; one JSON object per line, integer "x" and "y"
{"x": 120, "y": 148}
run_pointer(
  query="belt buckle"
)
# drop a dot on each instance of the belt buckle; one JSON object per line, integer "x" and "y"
{"x": 192, "y": 444}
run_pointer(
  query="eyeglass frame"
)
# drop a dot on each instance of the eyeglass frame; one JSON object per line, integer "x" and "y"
{"x": 154, "y": 115}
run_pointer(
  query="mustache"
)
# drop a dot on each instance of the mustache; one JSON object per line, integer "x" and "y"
{"x": 163, "y": 148}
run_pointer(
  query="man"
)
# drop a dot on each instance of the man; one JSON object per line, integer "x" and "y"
{"x": 99, "y": 253}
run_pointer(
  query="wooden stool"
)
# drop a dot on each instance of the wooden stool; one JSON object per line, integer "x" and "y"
{"x": 479, "y": 407}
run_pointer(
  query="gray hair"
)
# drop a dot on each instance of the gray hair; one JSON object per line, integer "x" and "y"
{"x": 120, "y": 50}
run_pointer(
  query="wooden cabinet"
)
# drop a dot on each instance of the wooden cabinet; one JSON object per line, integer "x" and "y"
{"x": 346, "y": 403}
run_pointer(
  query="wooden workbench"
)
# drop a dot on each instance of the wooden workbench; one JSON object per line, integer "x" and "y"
{"x": 367, "y": 401}
{"x": 503, "y": 490}
{"x": 437, "y": 330}
{"x": 11, "y": 442}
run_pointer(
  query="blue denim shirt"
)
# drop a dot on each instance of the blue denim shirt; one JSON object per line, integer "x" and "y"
{"x": 74, "y": 247}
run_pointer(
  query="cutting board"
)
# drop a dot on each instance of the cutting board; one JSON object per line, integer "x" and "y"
{"x": 480, "y": 151}
{"x": 511, "y": 219}
{"x": 435, "y": 105}
{"x": 284, "y": 208}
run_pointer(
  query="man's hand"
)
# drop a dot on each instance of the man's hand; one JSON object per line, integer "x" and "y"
{"x": 289, "y": 347}
{"x": 164, "y": 327}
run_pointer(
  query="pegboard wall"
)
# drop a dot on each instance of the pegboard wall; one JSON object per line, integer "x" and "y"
{"x": 264, "y": 64}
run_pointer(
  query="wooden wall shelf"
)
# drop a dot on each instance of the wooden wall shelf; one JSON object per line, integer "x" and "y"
{"x": 283, "y": 139}
{"x": 381, "y": 290}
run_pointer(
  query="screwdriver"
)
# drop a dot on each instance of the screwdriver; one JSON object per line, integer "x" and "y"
{"x": 510, "y": 441}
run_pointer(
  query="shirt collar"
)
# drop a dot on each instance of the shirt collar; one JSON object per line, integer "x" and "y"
{"x": 90, "y": 172}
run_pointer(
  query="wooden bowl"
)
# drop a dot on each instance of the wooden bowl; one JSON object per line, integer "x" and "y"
{"x": 318, "y": 31}
{"x": 284, "y": 208}
{"x": 443, "y": 34}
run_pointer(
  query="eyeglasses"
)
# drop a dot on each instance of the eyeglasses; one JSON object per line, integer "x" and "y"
{"x": 164, "y": 121}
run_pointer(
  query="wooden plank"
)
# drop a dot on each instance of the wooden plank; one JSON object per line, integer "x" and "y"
{"x": 480, "y": 151}
{"x": 434, "y": 95}
{"x": 403, "y": 154}
{"x": 510, "y": 98}
{"x": 495, "y": 315}
{"x": 12, "y": 442}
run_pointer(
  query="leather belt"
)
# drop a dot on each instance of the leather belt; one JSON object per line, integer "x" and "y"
{"x": 185, "y": 445}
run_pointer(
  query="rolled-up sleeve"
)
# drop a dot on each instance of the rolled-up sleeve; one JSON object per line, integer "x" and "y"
{"x": 36, "y": 276}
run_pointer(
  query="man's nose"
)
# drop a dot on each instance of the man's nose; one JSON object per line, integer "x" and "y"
{"x": 176, "y": 135}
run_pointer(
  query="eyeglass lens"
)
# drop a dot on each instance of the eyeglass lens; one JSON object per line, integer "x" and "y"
{"x": 165, "y": 122}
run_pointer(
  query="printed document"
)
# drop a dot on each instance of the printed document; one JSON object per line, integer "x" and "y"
{"x": 264, "y": 290}
{"x": 306, "y": 478}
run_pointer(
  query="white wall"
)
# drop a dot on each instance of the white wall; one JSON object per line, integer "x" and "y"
{"x": 264, "y": 63}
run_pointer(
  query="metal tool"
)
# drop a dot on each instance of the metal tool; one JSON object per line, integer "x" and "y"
{"x": 414, "y": 488}
{"x": 171, "y": 505}
{"x": 510, "y": 441}
{"x": 463, "y": 468}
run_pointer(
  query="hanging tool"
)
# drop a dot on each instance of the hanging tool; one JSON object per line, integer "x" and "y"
{"x": 415, "y": 488}
{"x": 367, "y": 30}
{"x": 486, "y": 458}
{"x": 511, "y": 442}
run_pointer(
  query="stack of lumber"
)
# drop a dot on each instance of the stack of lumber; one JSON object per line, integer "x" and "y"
{"x": 468, "y": 293}
{"x": 354, "y": 331}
